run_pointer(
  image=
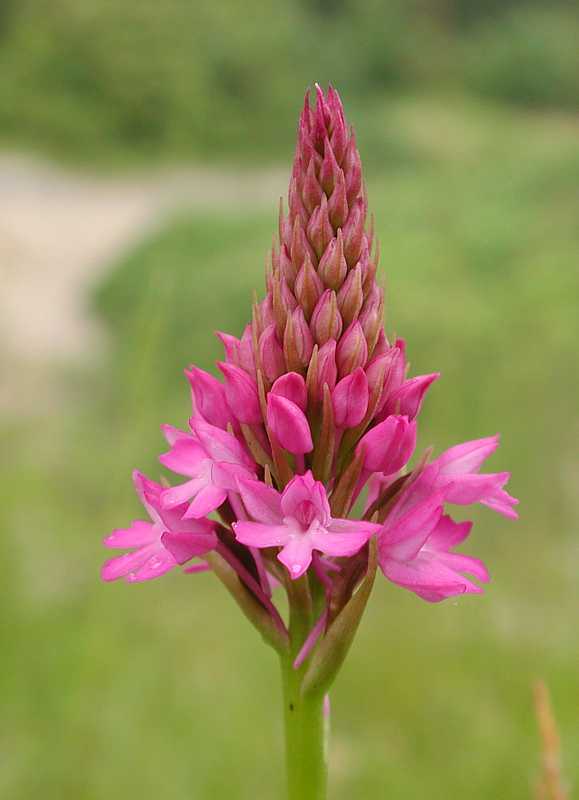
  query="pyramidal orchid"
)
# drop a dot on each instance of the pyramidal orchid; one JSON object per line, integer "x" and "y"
{"x": 301, "y": 453}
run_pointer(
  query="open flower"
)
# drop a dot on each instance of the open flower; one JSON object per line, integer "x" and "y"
{"x": 150, "y": 558}
{"x": 212, "y": 459}
{"x": 298, "y": 520}
{"x": 414, "y": 546}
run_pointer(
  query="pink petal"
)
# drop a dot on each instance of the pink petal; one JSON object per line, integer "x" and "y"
{"x": 305, "y": 499}
{"x": 158, "y": 564}
{"x": 138, "y": 534}
{"x": 186, "y": 457}
{"x": 297, "y": 555}
{"x": 209, "y": 396}
{"x": 403, "y": 539}
{"x": 178, "y": 495}
{"x": 468, "y": 456}
{"x": 221, "y": 445}
{"x": 256, "y": 534}
{"x": 408, "y": 399}
{"x": 129, "y": 562}
{"x": 461, "y": 563}
{"x": 474, "y": 487}
{"x": 206, "y": 501}
{"x": 354, "y": 526}
{"x": 448, "y": 533}
{"x": 185, "y": 546}
{"x": 502, "y": 502}
{"x": 432, "y": 579}
{"x": 241, "y": 393}
{"x": 339, "y": 544}
{"x": 293, "y": 387}
{"x": 262, "y": 502}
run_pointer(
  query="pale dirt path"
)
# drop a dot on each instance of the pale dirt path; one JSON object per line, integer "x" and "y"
{"x": 59, "y": 231}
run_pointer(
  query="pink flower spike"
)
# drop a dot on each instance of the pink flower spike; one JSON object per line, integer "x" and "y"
{"x": 292, "y": 386}
{"x": 302, "y": 523}
{"x": 150, "y": 559}
{"x": 241, "y": 393}
{"x": 350, "y": 399}
{"x": 389, "y": 445}
{"x": 288, "y": 424}
{"x": 209, "y": 397}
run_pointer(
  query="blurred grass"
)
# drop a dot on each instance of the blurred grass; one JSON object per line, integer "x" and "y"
{"x": 162, "y": 690}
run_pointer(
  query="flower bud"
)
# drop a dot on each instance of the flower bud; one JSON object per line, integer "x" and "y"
{"x": 352, "y": 351}
{"x": 308, "y": 287}
{"x": 271, "y": 354}
{"x": 388, "y": 446}
{"x": 337, "y": 204}
{"x": 332, "y": 268}
{"x": 326, "y": 322}
{"x": 293, "y": 387}
{"x": 329, "y": 169}
{"x": 208, "y": 396}
{"x": 241, "y": 393}
{"x": 353, "y": 232}
{"x": 327, "y": 369}
{"x": 319, "y": 230}
{"x": 286, "y": 267}
{"x": 300, "y": 247}
{"x": 350, "y": 399}
{"x": 353, "y": 171}
{"x": 391, "y": 366}
{"x": 287, "y": 422}
{"x": 408, "y": 399}
{"x": 246, "y": 359}
{"x": 311, "y": 191}
{"x": 350, "y": 296}
{"x": 231, "y": 346}
{"x": 297, "y": 341}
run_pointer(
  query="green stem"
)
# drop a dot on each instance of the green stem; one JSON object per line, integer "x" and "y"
{"x": 305, "y": 738}
{"x": 305, "y": 726}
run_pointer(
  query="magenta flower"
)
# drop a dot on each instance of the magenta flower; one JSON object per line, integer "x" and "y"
{"x": 298, "y": 520}
{"x": 212, "y": 459}
{"x": 414, "y": 546}
{"x": 150, "y": 558}
{"x": 316, "y": 409}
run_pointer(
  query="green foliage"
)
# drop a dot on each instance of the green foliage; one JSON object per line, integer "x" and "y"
{"x": 121, "y": 80}
{"x": 529, "y": 57}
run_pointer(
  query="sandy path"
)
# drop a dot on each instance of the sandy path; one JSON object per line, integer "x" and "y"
{"x": 59, "y": 231}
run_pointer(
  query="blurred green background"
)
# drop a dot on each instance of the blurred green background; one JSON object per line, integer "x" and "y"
{"x": 467, "y": 116}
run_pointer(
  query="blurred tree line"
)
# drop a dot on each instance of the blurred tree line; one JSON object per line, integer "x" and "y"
{"x": 199, "y": 77}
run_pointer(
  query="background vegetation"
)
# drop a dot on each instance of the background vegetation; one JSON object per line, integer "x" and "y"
{"x": 181, "y": 78}
{"x": 162, "y": 690}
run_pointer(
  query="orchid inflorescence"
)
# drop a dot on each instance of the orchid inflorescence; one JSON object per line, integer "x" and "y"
{"x": 301, "y": 453}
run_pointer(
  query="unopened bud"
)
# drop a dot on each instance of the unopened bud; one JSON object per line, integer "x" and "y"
{"x": 326, "y": 322}
{"x": 308, "y": 288}
{"x": 311, "y": 190}
{"x": 241, "y": 393}
{"x": 338, "y": 204}
{"x": 329, "y": 169}
{"x": 350, "y": 296}
{"x": 297, "y": 341}
{"x": 354, "y": 232}
{"x": 350, "y": 399}
{"x": 287, "y": 422}
{"x": 320, "y": 231}
{"x": 332, "y": 268}
{"x": 293, "y": 387}
{"x": 271, "y": 354}
{"x": 352, "y": 351}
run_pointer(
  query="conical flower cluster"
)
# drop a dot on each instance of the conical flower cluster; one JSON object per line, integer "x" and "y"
{"x": 315, "y": 416}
